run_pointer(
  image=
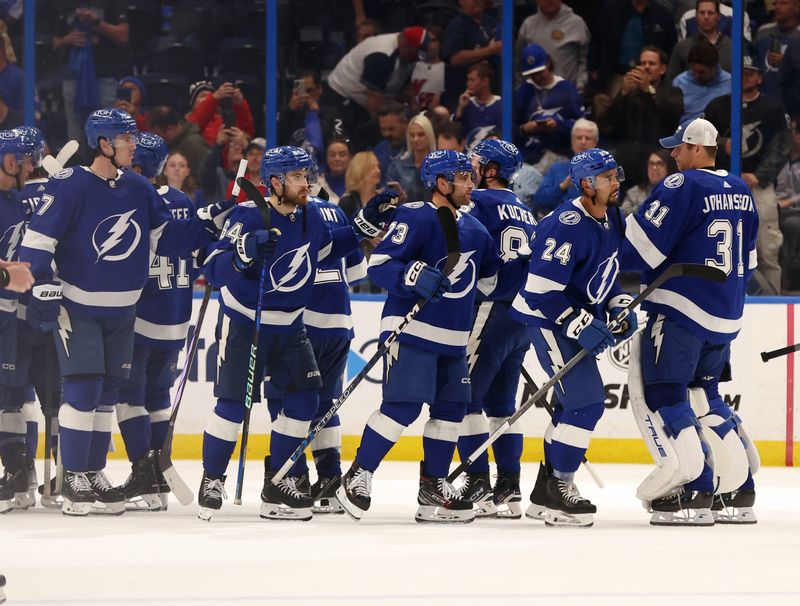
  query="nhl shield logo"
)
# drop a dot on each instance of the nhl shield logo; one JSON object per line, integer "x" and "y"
{"x": 620, "y": 356}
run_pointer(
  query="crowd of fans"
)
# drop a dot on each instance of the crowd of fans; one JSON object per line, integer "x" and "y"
{"x": 369, "y": 101}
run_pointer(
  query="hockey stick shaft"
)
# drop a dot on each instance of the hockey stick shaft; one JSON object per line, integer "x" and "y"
{"x": 451, "y": 236}
{"x": 766, "y": 356}
{"x": 678, "y": 269}
{"x": 546, "y": 405}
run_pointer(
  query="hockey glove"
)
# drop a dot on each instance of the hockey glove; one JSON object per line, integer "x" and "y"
{"x": 616, "y": 305}
{"x": 260, "y": 244}
{"x": 425, "y": 281}
{"x": 590, "y": 332}
{"x": 44, "y": 306}
{"x": 213, "y": 216}
{"x": 376, "y": 214}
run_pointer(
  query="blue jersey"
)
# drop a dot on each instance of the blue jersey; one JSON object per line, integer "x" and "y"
{"x": 696, "y": 216}
{"x": 12, "y": 229}
{"x": 479, "y": 120}
{"x": 31, "y": 194}
{"x": 100, "y": 233}
{"x": 328, "y": 313}
{"x": 574, "y": 265}
{"x": 416, "y": 234}
{"x": 165, "y": 307}
{"x": 511, "y": 224}
{"x": 305, "y": 240}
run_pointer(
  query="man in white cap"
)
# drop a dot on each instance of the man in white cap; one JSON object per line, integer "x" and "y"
{"x": 706, "y": 216}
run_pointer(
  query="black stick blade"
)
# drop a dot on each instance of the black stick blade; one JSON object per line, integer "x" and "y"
{"x": 255, "y": 195}
{"x": 704, "y": 272}
{"x": 448, "y": 222}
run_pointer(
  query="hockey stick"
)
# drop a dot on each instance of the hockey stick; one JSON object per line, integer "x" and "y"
{"x": 690, "y": 270}
{"x": 176, "y": 483}
{"x": 55, "y": 165}
{"x": 47, "y": 493}
{"x": 766, "y": 356}
{"x": 546, "y": 405}
{"x": 263, "y": 206}
{"x": 450, "y": 229}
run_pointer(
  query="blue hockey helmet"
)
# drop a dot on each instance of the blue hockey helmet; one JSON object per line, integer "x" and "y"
{"x": 14, "y": 141}
{"x": 278, "y": 161}
{"x": 33, "y": 141}
{"x": 504, "y": 154}
{"x": 590, "y": 163}
{"x": 108, "y": 124}
{"x": 443, "y": 163}
{"x": 151, "y": 154}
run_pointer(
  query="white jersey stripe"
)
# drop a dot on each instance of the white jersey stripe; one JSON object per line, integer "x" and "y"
{"x": 161, "y": 332}
{"x": 428, "y": 332}
{"x": 646, "y": 249}
{"x": 124, "y": 298}
{"x": 692, "y": 311}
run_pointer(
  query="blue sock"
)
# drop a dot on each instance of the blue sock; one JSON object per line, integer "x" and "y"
{"x": 101, "y": 437}
{"x": 384, "y": 428}
{"x": 439, "y": 439}
{"x": 32, "y": 429}
{"x": 76, "y": 420}
{"x": 219, "y": 438}
{"x": 327, "y": 447}
{"x": 291, "y": 428}
{"x": 134, "y": 425}
{"x": 474, "y": 431}
{"x": 507, "y": 451}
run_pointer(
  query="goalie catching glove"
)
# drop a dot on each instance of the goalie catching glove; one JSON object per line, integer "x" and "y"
{"x": 376, "y": 214}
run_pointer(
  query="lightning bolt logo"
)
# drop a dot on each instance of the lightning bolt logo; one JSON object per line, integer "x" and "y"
{"x": 64, "y": 329}
{"x": 474, "y": 342}
{"x": 464, "y": 263}
{"x": 120, "y": 226}
{"x": 556, "y": 359}
{"x": 13, "y": 236}
{"x": 657, "y": 334}
{"x": 299, "y": 259}
{"x": 392, "y": 354}
{"x": 223, "y": 340}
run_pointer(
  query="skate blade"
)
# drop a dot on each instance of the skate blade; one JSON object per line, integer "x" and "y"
{"x": 434, "y": 514}
{"x": 145, "y": 502}
{"x": 68, "y": 508}
{"x": 164, "y": 498}
{"x": 559, "y": 519}
{"x": 484, "y": 509}
{"x": 6, "y": 506}
{"x": 326, "y": 506}
{"x": 511, "y": 510}
{"x": 735, "y": 515}
{"x": 277, "y": 511}
{"x": 206, "y": 513}
{"x": 684, "y": 517}
{"x": 354, "y": 512}
{"x": 536, "y": 512}
{"x": 107, "y": 509}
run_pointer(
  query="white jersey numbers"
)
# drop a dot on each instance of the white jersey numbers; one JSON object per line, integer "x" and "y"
{"x": 722, "y": 231}
{"x": 561, "y": 253}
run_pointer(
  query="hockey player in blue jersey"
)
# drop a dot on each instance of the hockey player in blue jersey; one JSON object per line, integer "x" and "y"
{"x": 708, "y": 216}
{"x": 329, "y": 325}
{"x": 570, "y": 293}
{"x": 497, "y": 344}
{"x": 99, "y": 225}
{"x": 299, "y": 240}
{"x": 162, "y": 323}
{"x": 427, "y": 363}
{"x": 15, "y": 165}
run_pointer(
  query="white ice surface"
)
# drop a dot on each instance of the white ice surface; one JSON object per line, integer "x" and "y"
{"x": 170, "y": 558}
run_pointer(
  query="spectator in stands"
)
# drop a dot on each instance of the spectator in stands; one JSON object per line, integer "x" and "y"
{"x": 403, "y": 174}
{"x": 366, "y": 29}
{"x": 708, "y": 17}
{"x": 178, "y": 175}
{"x": 221, "y": 162}
{"x": 10, "y": 74}
{"x": 337, "y": 159}
{"x": 471, "y": 36}
{"x": 659, "y": 164}
{"x": 622, "y": 28}
{"x": 179, "y": 134}
{"x": 427, "y": 79}
{"x": 224, "y": 107}
{"x": 86, "y": 33}
{"x": 479, "y": 110}
{"x": 253, "y": 154}
{"x": 393, "y": 123}
{"x": 545, "y": 108}
{"x": 362, "y": 179}
{"x": 646, "y": 109}
{"x": 703, "y": 81}
{"x": 787, "y": 192}
{"x": 773, "y": 39}
{"x": 372, "y": 72}
{"x": 304, "y": 122}
{"x": 451, "y": 136}
{"x": 563, "y": 34}
{"x": 557, "y": 185}
{"x": 688, "y": 24}
{"x": 130, "y": 97}
{"x": 765, "y": 147}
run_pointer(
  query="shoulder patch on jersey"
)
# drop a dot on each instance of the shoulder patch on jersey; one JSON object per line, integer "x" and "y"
{"x": 570, "y": 217}
{"x": 419, "y": 204}
{"x": 674, "y": 181}
{"x": 163, "y": 190}
{"x": 63, "y": 173}
{"x": 247, "y": 204}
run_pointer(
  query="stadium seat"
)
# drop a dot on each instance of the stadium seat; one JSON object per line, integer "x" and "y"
{"x": 167, "y": 89}
{"x": 178, "y": 57}
{"x": 242, "y": 55}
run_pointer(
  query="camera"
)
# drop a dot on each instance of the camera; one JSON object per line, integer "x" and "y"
{"x": 226, "y": 109}
{"x": 124, "y": 94}
{"x": 300, "y": 87}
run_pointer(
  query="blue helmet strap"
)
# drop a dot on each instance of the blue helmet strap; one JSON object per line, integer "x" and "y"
{"x": 112, "y": 157}
{"x": 448, "y": 196}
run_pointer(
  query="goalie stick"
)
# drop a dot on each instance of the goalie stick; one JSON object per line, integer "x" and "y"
{"x": 176, "y": 483}
{"x": 450, "y": 229}
{"x": 690, "y": 270}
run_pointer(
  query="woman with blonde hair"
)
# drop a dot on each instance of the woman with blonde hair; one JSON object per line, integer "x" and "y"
{"x": 361, "y": 182}
{"x": 177, "y": 174}
{"x": 403, "y": 173}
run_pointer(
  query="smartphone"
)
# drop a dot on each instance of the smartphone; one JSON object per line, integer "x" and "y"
{"x": 226, "y": 109}
{"x": 124, "y": 94}
{"x": 775, "y": 44}
{"x": 300, "y": 87}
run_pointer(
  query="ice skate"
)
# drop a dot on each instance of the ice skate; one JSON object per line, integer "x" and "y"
{"x": 683, "y": 509}
{"x": 507, "y": 496}
{"x": 29, "y": 499}
{"x": 7, "y": 495}
{"x": 16, "y": 478}
{"x": 323, "y": 491}
{"x": 354, "y": 493}
{"x": 110, "y": 499}
{"x": 537, "y": 510}
{"x": 440, "y": 503}
{"x": 163, "y": 486}
{"x": 141, "y": 488}
{"x": 477, "y": 489}
{"x": 210, "y": 496}
{"x": 77, "y": 494}
{"x": 735, "y": 507}
{"x": 289, "y": 500}
{"x": 565, "y": 505}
